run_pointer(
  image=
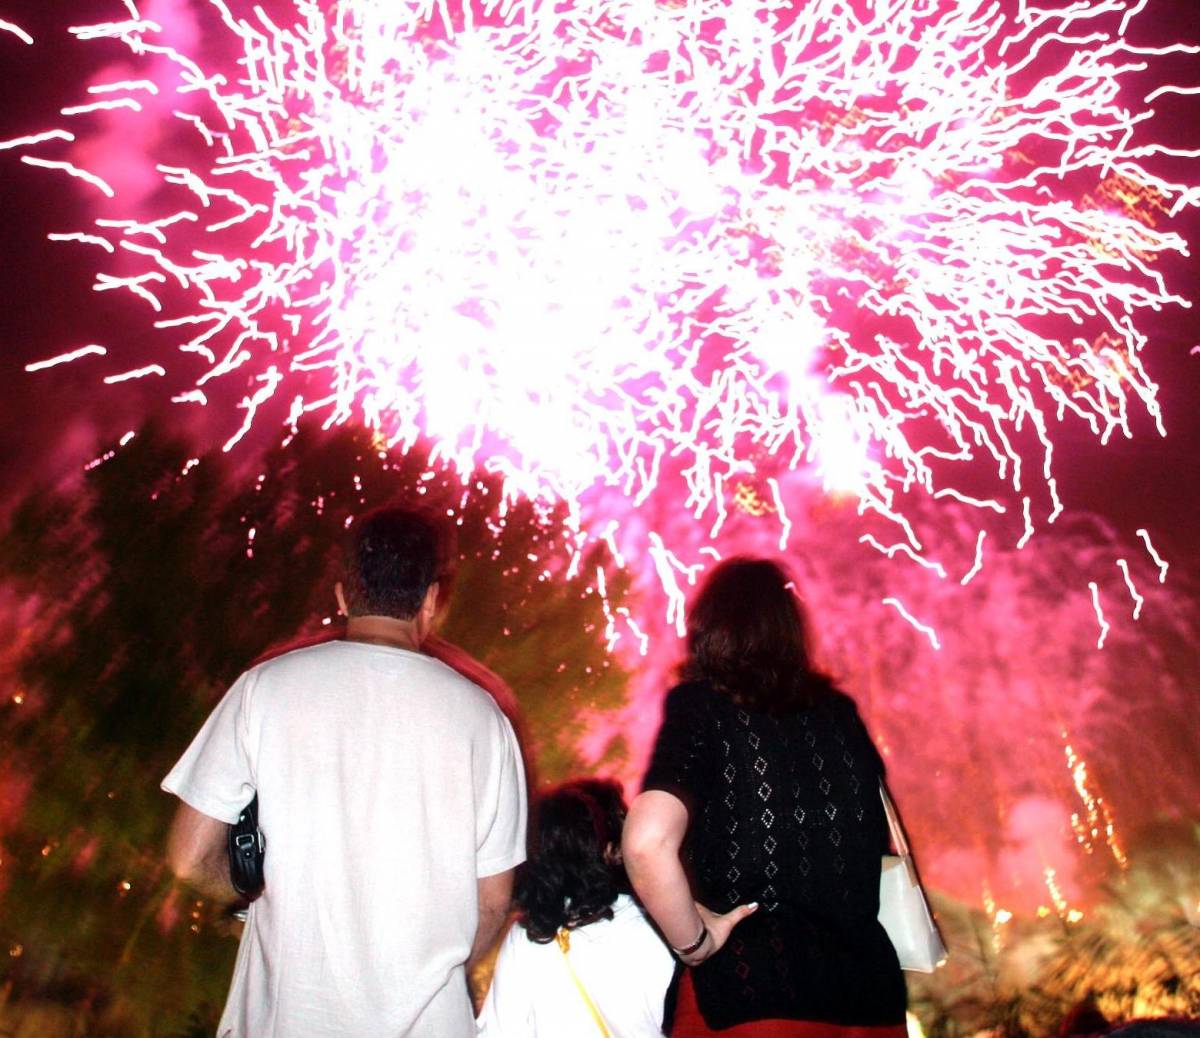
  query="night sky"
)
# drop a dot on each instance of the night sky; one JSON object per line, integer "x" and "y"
{"x": 963, "y": 706}
{"x": 54, "y": 419}
{"x": 57, "y": 420}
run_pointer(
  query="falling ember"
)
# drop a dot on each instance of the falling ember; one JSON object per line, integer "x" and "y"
{"x": 1138, "y": 599}
{"x": 36, "y": 138}
{"x": 925, "y": 629}
{"x": 66, "y": 358}
{"x": 977, "y": 565}
{"x": 74, "y": 171}
{"x": 16, "y": 30}
{"x": 1105, "y": 626}
{"x": 1060, "y": 902}
{"x": 1098, "y": 823}
{"x": 998, "y": 917}
{"x": 653, "y": 250}
{"x": 127, "y": 376}
{"x": 1158, "y": 561}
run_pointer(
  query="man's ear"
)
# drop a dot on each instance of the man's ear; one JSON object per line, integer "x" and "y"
{"x": 429, "y": 605}
{"x": 428, "y": 610}
{"x": 340, "y": 594}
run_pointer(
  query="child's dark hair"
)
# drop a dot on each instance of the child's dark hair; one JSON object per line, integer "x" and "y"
{"x": 574, "y": 872}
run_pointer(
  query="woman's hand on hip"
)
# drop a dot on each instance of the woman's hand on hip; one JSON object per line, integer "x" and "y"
{"x": 719, "y": 926}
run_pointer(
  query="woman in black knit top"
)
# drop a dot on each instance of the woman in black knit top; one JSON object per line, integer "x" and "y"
{"x": 761, "y": 811}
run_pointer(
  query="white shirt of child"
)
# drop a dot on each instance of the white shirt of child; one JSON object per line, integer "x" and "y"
{"x": 387, "y": 785}
{"x": 621, "y": 962}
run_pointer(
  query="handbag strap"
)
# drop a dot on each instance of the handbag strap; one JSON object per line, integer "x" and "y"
{"x": 563, "y": 939}
{"x": 899, "y": 841}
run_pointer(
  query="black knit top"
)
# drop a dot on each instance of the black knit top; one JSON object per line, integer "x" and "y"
{"x": 786, "y": 812}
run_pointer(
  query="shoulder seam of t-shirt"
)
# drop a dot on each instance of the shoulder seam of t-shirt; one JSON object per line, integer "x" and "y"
{"x": 418, "y": 658}
{"x": 340, "y": 643}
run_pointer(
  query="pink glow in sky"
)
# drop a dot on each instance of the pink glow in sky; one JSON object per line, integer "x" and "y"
{"x": 705, "y": 271}
{"x": 661, "y": 248}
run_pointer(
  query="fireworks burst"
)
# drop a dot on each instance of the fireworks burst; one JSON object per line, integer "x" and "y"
{"x": 617, "y": 250}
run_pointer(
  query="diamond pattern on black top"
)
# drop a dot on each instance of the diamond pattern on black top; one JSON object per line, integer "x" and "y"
{"x": 801, "y": 793}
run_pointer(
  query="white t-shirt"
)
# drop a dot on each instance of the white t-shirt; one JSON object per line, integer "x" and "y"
{"x": 387, "y": 785}
{"x": 622, "y": 963}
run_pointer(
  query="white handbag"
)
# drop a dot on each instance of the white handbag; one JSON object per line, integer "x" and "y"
{"x": 903, "y": 910}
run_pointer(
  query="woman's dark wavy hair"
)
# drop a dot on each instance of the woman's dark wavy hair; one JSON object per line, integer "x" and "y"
{"x": 574, "y": 872}
{"x": 747, "y": 636}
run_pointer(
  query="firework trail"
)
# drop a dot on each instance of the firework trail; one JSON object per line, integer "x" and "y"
{"x": 722, "y": 277}
{"x": 1018, "y": 745}
{"x": 1014, "y": 746}
{"x": 820, "y": 277}
{"x": 684, "y": 249}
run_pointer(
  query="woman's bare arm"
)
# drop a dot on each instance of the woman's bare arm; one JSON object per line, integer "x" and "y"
{"x": 653, "y": 836}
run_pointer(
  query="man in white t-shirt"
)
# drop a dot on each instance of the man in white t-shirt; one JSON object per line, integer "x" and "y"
{"x": 392, "y": 798}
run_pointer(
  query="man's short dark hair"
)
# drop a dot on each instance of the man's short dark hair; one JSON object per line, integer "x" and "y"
{"x": 393, "y": 556}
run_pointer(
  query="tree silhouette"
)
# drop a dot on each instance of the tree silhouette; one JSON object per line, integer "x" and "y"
{"x": 139, "y": 595}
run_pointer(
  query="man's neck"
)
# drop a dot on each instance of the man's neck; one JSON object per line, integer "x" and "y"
{"x": 384, "y": 630}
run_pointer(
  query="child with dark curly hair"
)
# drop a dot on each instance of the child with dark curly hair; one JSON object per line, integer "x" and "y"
{"x": 582, "y": 960}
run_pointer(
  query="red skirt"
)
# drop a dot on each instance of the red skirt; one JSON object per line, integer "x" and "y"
{"x": 690, "y": 1024}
